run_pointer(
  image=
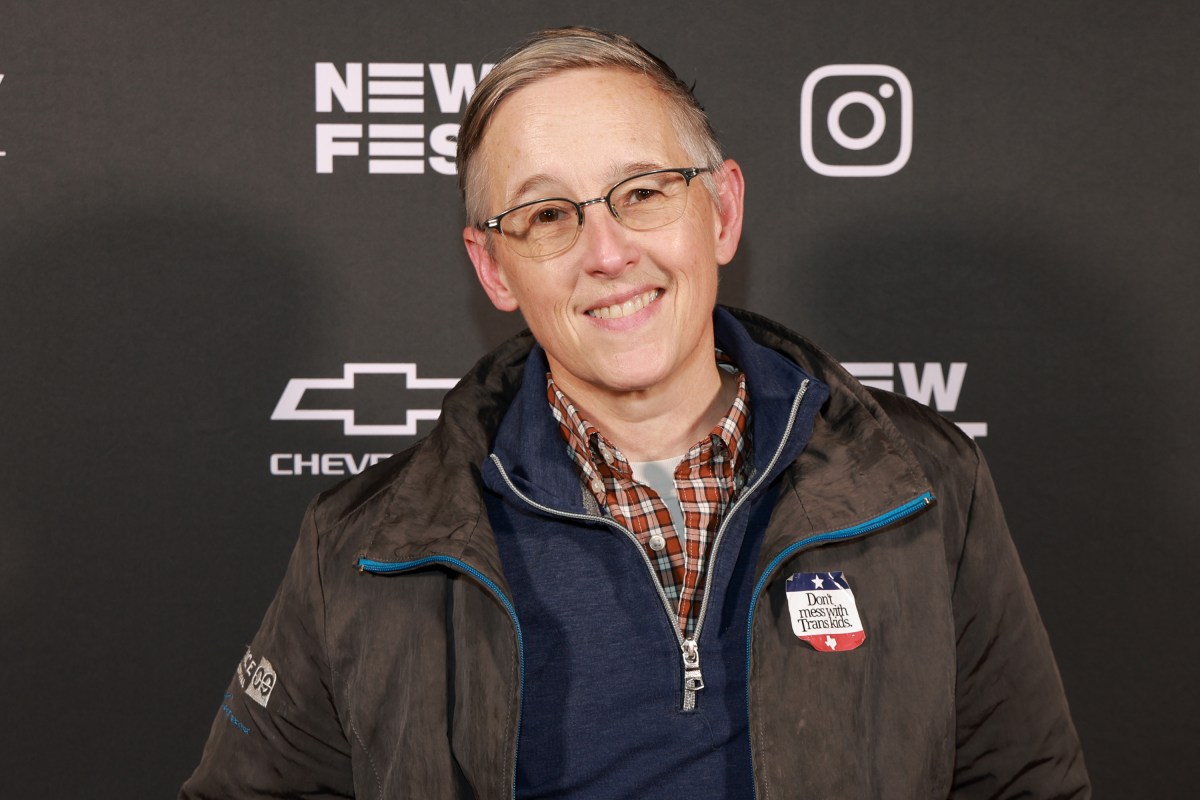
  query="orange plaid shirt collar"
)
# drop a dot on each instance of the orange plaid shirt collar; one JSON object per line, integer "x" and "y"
{"x": 707, "y": 480}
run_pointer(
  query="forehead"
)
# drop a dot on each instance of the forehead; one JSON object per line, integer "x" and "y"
{"x": 581, "y": 129}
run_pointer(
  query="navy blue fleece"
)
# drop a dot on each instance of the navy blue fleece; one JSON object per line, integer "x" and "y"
{"x": 601, "y": 707}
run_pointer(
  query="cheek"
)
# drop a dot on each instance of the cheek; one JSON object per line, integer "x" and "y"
{"x": 691, "y": 255}
{"x": 700, "y": 235}
{"x": 543, "y": 295}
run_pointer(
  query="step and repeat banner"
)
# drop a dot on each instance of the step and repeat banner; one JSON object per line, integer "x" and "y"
{"x": 231, "y": 274}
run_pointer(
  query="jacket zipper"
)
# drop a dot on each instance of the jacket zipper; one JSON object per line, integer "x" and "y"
{"x": 693, "y": 678}
{"x": 390, "y": 568}
{"x": 883, "y": 520}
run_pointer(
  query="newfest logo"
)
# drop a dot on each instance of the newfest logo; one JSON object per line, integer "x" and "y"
{"x": 402, "y": 131}
{"x": 836, "y": 101}
{"x": 418, "y": 400}
{"x": 932, "y": 386}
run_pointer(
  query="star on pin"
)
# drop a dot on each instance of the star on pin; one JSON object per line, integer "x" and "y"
{"x": 818, "y": 582}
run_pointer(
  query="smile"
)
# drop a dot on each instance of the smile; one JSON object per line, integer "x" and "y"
{"x": 631, "y": 306}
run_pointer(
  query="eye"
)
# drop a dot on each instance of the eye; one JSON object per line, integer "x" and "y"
{"x": 640, "y": 193}
{"x": 644, "y": 193}
{"x": 547, "y": 215}
{"x": 647, "y": 190}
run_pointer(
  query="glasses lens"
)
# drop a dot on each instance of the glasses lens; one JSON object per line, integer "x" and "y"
{"x": 644, "y": 202}
{"x": 542, "y": 228}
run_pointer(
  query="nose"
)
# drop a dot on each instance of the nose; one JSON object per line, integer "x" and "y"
{"x": 605, "y": 245}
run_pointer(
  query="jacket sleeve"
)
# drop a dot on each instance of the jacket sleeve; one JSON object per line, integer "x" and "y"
{"x": 276, "y": 732}
{"x": 1014, "y": 732}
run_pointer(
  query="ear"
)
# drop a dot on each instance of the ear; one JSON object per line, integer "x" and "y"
{"x": 489, "y": 271}
{"x": 731, "y": 189}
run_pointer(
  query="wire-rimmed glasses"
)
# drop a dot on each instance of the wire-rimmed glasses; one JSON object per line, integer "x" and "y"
{"x": 641, "y": 202}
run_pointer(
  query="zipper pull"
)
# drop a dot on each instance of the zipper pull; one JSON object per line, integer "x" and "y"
{"x": 693, "y": 681}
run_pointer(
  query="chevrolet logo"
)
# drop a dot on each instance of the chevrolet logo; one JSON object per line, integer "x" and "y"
{"x": 288, "y": 407}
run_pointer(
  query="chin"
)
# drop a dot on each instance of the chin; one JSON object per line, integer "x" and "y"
{"x": 633, "y": 378}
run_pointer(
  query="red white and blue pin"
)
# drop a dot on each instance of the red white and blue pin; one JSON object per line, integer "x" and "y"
{"x": 823, "y": 611}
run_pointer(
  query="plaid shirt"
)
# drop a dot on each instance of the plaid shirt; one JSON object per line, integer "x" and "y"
{"x": 707, "y": 480}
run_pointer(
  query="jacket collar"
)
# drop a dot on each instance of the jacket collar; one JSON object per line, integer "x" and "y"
{"x": 854, "y": 467}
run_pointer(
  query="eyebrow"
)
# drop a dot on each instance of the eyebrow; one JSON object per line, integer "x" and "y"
{"x": 543, "y": 179}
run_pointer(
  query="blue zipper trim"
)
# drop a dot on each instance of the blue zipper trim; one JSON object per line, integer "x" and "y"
{"x": 883, "y": 520}
{"x": 391, "y": 567}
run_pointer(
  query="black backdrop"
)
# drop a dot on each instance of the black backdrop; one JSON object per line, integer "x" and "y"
{"x": 171, "y": 259}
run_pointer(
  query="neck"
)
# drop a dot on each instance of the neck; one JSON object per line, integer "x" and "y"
{"x": 663, "y": 421}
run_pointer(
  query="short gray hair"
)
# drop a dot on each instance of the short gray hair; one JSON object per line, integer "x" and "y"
{"x": 556, "y": 50}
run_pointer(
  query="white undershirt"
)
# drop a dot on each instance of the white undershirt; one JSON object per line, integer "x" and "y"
{"x": 660, "y": 476}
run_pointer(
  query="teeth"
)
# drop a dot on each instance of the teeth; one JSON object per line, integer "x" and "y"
{"x": 628, "y": 307}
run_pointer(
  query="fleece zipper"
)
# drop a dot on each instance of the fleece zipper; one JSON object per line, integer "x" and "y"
{"x": 693, "y": 679}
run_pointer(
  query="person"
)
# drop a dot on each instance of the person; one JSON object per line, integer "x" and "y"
{"x": 653, "y": 547}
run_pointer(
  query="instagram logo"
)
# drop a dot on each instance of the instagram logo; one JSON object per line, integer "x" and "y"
{"x": 845, "y": 96}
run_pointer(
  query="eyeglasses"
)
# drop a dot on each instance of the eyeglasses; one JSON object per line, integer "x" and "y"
{"x": 551, "y": 225}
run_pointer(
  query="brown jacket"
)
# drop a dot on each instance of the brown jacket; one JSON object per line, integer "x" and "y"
{"x": 408, "y": 684}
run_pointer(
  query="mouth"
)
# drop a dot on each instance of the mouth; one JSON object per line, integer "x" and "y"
{"x": 629, "y": 307}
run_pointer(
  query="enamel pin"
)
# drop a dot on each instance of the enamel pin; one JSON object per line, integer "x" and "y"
{"x": 823, "y": 611}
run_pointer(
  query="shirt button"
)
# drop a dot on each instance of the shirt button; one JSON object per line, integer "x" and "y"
{"x": 657, "y": 542}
